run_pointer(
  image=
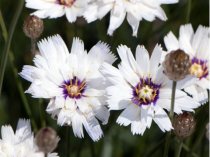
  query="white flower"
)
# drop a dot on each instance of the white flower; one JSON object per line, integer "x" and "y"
{"x": 196, "y": 45}
{"x": 57, "y": 8}
{"x": 136, "y": 10}
{"x": 21, "y": 143}
{"x": 72, "y": 82}
{"x": 140, "y": 88}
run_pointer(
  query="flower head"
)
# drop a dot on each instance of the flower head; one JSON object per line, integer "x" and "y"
{"x": 196, "y": 45}
{"x": 21, "y": 143}
{"x": 72, "y": 82}
{"x": 142, "y": 91}
{"x": 184, "y": 125}
{"x": 135, "y": 10}
{"x": 47, "y": 139}
{"x": 57, "y": 8}
{"x": 176, "y": 65}
{"x": 33, "y": 27}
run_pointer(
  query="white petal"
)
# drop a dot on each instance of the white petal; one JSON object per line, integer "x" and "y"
{"x": 102, "y": 113}
{"x": 84, "y": 107}
{"x": 171, "y": 42}
{"x": 39, "y": 4}
{"x": 104, "y": 9}
{"x": 142, "y": 58}
{"x": 112, "y": 74}
{"x": 91, "y": 92}
{"x": 134, "y": 23}
{"x": 91, "y": 12}
{"x": 162, "y": 119}
{"x": 130, "y": 114}
{"x": 93, "y": 128}
{"x": 137, "y": 127}
{"x": 200, "y": 33}
{"x": 100, "y": 53}
{"x": 77, "y": 47}
{"x": 204, "y": 83}
{"x": 200, "y": 95}
{"x": 71, "y": 15}
{"x": 187, "y": 103}
{"x": 155, "y": 60}
{"x": 116, "y": 18}
{"x": 127, "y": 58}
{"x": 119, "y": 97}
{"x": 77, "y": 125}
{"x": 7, "y": 134}
{"x": 23, "y": 130}
{"x": 185, "y": 38}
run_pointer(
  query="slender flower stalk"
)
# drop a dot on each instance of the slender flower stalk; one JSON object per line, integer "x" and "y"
{"x": 68, "y": 150}
{"x": 179, "y": 149}
{"x": 8, "y": 42}
{"x": 186, "y": 148}
{"x": 33, "y": 46}
{"x": 171, "y": 115}
{"x": 15, "y": 72}
{"x": 189, "y": 4}
{"x": 41, "y": 112}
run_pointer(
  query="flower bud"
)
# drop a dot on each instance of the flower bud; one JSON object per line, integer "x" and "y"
{"x": 176, "y": 65}
{"x": 184, "y": 125}
{"x": 47, "y": 140}
{"x": 33, "y": 27}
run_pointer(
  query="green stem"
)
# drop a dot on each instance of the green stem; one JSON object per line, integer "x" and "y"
{"x": 185, "y": 147}
{"x": 68, "y": 150}
{"x": 8, "y": 42}
{"x": 171, "y": 116}
{"x": 41, "y": 112}
{"x": 15, "y": 73}
{"x": 179, "y": 149}
{"x": 21, "y": 92}
{"x": 33, "y": 46}
{"x": 92, "y": 148}
{"x": 167, "y": 143}
{"x": 189, "y": 4}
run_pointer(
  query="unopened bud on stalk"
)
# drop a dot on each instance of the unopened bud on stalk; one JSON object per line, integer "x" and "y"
{"x": 47, "y": 140}
{"x": 176, "y": 65}
{"x": 184, "y": 125}
{"x": 33, "y": 27}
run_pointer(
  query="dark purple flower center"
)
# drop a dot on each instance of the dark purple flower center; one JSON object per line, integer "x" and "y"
{"x": 74, "y": 88}
{"x": 145, "y": 92}
{"x": 199, "y": 68}
{"x": 67, "y": 3}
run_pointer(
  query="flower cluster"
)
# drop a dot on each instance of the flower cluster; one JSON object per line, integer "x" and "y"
{"x": 21, "y": 143}
{"x": 82, "y": 86}
{"x": 134, "y": 10}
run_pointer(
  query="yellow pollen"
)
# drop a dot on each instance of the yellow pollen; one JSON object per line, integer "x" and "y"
{"x": 68, "y": 3}
{"x": 73, "y": 90}
{"x": 196, "y": 70}
{"x": 146, "y": 93}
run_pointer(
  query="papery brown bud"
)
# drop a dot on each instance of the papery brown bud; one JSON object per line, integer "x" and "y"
{"x": 176, "y": 65}
{"x": 33, "y": 27}
{"x": 47, "y": 140}
{"x": 184, "y": 125}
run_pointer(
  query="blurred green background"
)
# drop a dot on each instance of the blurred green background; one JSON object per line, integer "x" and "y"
{"x": 118, "y": 141}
